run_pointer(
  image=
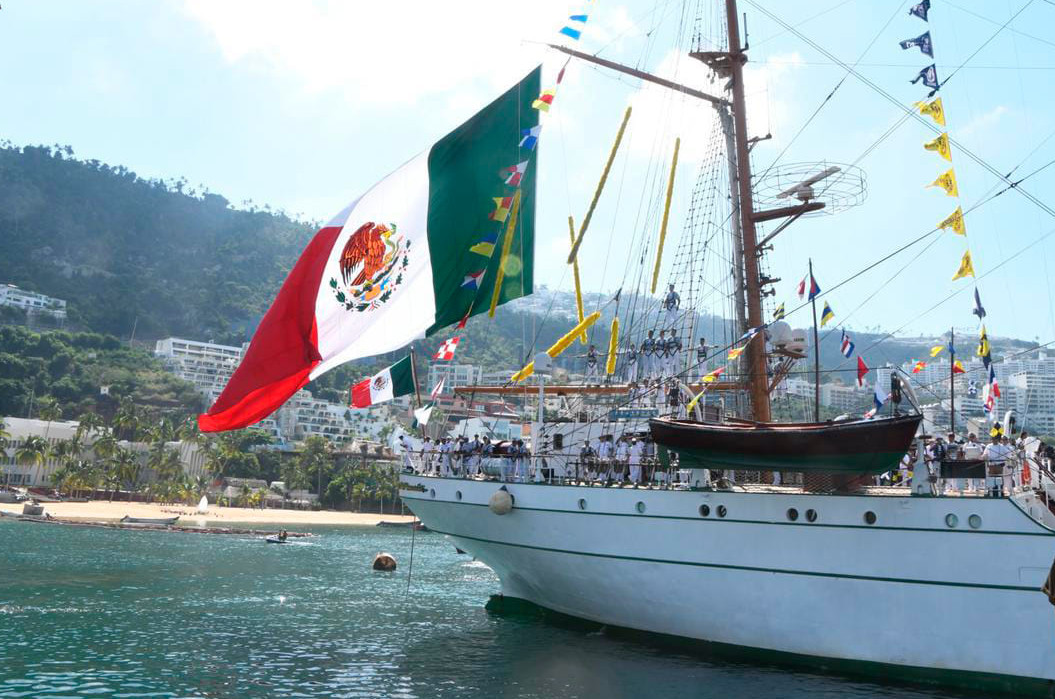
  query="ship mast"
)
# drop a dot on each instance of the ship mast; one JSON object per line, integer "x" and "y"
{"x": 731, "y": 64}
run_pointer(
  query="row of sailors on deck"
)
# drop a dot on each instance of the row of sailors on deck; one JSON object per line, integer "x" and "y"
{"x": 617, "y": 462}
{"x": 655, "y": 358}
{"x": 460, "y": 456}
{"x": 1007, "y": 462}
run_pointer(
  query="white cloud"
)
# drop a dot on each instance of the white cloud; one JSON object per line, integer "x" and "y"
{"x": 659, "y": 111}
{"x": 388, "y": 52}
{"x": 984, "y": 121}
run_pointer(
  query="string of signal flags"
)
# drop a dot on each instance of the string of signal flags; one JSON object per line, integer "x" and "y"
{"x": 946, "y": 181}
{"x": 934, "y": 108}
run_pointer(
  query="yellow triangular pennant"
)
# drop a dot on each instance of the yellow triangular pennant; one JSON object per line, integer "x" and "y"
{"x": 947, "y": 181}
{"x": 966, "y": 268}
{"x": 955, "y": 222}
{"x": 932, "y": 109}
{"x": 941, "y": 145}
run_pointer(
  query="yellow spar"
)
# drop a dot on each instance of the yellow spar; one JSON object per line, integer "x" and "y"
{"x": 600, "y": 187}
{"x": 560, "y": 345}
{"x": 613, "y": 345}
{"x": 666, "y": 214}
{"x": 578, "y": 285}
{"x": 507, "y": 244}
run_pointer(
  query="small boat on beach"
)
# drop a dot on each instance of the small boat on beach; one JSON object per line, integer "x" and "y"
{"x": 162, "y": 521}
{"x": 416, "y": 524}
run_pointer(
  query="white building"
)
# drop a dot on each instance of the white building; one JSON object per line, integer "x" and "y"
{"x": 32, "y": 302}
{"x": 14, "y": 473}
{"x": 455, "y": 375}
{"x": 1033, "y": 401}
{"x": 209, "y": 366}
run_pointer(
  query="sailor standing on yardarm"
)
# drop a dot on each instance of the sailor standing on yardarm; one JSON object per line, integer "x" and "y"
{"x": 659, "y": 368}
{"x": 701, "y": 358}
{"x": 631, "y": 364}
{"x": 673, "y": 353}
{"x": 648, "y": 349}
{"x": 591, "y": 364}
{"x": 670, "y": 306}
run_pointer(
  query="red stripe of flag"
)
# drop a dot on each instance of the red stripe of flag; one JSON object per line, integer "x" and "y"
{"x": 361, "y": 394}
{"x": 284, "y": 349}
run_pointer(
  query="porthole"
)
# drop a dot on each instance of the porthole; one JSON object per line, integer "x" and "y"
{"x": 722, "y": 511}
{"x": 705, "y": 510}
{"x": 811, "y": 515}
{"x": 582, "y": 503}
{"x": 793, "y": 514}
{"x": 974, "y": 522}
{"x": 870, "y": 517}
{"x": 458, "y": 495}
{"x": 641, "y": 508}
{"x": 951, "y": 520}
{"x": 432, "y": 492}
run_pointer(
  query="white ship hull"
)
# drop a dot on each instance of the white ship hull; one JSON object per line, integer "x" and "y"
{"x": 907, "y": 596}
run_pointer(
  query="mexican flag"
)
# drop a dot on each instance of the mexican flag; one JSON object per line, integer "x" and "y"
{"x": 391, "y": 267}
{"x": 396, "y": 380}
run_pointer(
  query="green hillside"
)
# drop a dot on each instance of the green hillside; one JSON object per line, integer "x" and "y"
{"x": 124, "y": 250}
{"x": 72, "y": 369}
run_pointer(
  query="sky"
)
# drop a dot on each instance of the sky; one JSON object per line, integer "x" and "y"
{"x": 304, "y": 105}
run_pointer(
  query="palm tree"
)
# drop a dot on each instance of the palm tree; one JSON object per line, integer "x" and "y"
{"x": 125, "y": 468}
{"x": 89, "y": 423}
{"x": 68, "y": 453}
{"x": 32, "y": 452}
{"x": 126, "y": 420}
{"x": 48, "y": 409}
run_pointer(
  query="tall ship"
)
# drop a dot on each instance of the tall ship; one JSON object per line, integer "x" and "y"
{"x": 662, "y": 492}
{"x": 823, "y": 570}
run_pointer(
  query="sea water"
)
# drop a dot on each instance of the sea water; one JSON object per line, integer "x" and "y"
{"x": 119, "y": 613}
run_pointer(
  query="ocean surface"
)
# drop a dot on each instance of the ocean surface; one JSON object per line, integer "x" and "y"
{"x": 110, "y": 613}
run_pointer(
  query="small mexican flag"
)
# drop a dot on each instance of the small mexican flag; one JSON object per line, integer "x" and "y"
{"x": 391, "y": 267}
{"x": 396, "y": 380}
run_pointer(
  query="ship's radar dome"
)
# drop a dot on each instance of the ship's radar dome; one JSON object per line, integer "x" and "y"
{"x": 779, "y": 333}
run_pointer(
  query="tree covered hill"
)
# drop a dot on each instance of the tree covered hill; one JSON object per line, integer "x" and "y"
{"x": 69, "y": 369}
{"x": 119, "y": 247}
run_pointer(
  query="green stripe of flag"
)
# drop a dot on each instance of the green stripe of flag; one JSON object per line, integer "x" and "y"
{"x": 463, "y": 179}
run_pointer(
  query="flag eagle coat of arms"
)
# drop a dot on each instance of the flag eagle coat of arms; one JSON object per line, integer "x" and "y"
{"x": 390, "y": 267}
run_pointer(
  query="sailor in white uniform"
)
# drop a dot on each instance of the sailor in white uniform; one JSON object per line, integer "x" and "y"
{"x": 670, "y": 306}
{"x": 445, "y": 456}
{"x": 426, "y": 455}
{"x": 998, "y": 474}
{"x": 648, "y": 350}
{"x": 701, "y": 359}
{"x": 604, "y": 456}
{"x": 404, "y": 450}
{"x": 622, "y": 455}
{"x": 673, "y": 353}
{"x": 636, "y": 450}
{"x": 660, "y": 364}
{"x": 631, "y": 364}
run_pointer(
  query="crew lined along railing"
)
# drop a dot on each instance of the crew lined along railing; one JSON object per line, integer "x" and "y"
{"x": 1018, "y": 474}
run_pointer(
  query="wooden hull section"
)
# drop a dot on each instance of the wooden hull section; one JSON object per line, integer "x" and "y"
{"x": 859, "y": 446}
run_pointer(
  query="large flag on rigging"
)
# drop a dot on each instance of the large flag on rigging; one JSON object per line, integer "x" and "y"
{"x": 390, "y": 267}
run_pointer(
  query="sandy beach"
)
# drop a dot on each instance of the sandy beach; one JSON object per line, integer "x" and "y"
{"x": 103, "y": 510}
